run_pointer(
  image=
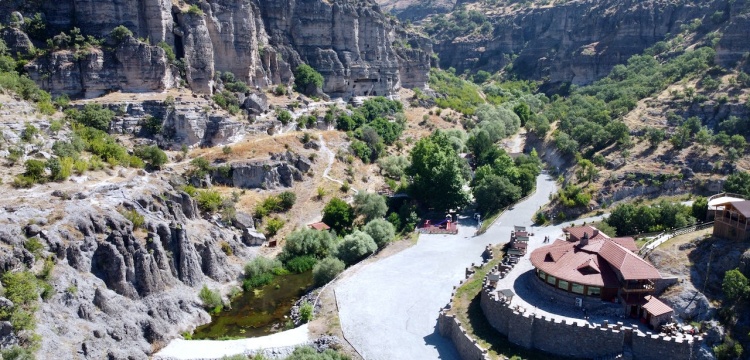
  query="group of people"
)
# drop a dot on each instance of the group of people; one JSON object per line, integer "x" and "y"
{"x": 546, "y": 239}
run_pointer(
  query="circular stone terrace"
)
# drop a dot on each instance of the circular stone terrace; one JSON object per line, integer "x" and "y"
{"x": 539, "y": 298}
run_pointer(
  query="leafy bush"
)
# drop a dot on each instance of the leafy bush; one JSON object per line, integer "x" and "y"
{"x": 369, "y": 205}
{"x": 307, "y": 80}
{"x": 306, "y": 311}
{"x": 92, "y": 115}
{"x": 260, "y": 271}
{"x": 355, "y": 247}
{"x": 301, "y": 264}
{"x": 308, "y": 242}
{"x": 120, "y": 33}
{"x": 29, "y": 132}
{"x": 284, "y": 116}
{"x": 152, "y": 155}
{"x": 381, "y": 231}
{"x": 209, "y": 200}
{"x": 168, "y": 51}
{"x": 134, "y": 217}
{"x": 273, "y": 226}
{"x": 21, "y": 288}
{"x": 211, "y": 299}
{"x": 195, "y": 10}
{"x": 34, "y": 246}
{"x": 287, "y": 200}
{"x": 393, "y": 166}
{"x": 35, "y": 170}
{"x": 60, "y": 168}
{"x": 327, "y": 270}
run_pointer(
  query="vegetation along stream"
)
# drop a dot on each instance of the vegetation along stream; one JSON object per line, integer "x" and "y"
{"x": 258, "y": 312}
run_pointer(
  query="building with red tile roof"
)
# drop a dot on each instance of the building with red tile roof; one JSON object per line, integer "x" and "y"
{"x": 590, "y": 263}
{"x": 320, "y": 226}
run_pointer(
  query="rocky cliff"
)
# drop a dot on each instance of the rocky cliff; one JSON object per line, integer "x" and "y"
{"x": 581, "y": 41}
{"x": 119, "y": 292}
{"x": 351, "y": 43}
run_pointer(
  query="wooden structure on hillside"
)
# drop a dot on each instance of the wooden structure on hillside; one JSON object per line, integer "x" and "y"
{"x": 732, "y": 222}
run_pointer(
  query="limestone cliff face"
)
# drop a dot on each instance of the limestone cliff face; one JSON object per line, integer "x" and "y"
{"x": 132, "y": 66}
{"x": 578, "y": 42}
{"x": 261, "y": 41}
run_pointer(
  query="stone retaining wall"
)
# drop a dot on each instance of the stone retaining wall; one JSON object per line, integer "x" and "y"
{"x": 566, "y": 338}
{"x": 451, "y": 328}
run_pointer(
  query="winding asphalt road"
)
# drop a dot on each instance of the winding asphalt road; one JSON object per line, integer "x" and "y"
{"x": 388, "y": 309}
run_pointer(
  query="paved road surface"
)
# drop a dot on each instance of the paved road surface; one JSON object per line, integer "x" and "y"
{"x": 388, "y": 309}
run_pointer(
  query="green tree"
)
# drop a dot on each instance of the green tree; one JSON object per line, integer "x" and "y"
{"x": 738, "y": 183}
{"x": 699, "y": 209}
{"x": 735, "y": 286}
{"x": 494, "y": 192}
{"x": 436, "y": 171}
{"x": 307, "y": 80}
{"x": 152, "y": 155}
{"x": 523, "y": 111}
{"x": 355, "y": 247}
{"x": 327, "y": 270}
{"x": 370, "y": 205}
{"x": 483, "y": 148}
{"x": 121, "y": 33}
{"x": 381, "y": 230}
{"x": 338, "y": 215}
{"x": 655, "y": 136}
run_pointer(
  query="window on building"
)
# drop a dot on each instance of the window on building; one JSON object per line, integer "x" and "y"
{"x": 594, "y": 291}
{"x": 562, "y": 284}
{"x": 551, "y": 279}
{"x": 542, "y": 275}
{"x": 577, "y": 288}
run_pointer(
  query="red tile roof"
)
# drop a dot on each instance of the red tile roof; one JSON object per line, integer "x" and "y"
{"x": 569, "y": 263}
{"x": 320, "y": 226}
{"x": 626, "y": 242}
{"x": 629, "y": 265}
{"x": 655, "y": 307}
{"x": 598, "y": 263}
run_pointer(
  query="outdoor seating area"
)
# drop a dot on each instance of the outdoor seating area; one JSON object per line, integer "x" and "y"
{"x": 444, "y": 226}
{"x": 515, "y": 250}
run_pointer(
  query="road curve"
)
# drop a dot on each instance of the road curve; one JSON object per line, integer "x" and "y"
{"x": 388, "y": 309}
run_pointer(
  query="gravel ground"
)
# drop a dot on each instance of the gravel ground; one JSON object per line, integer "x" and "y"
{"x": 388, "y": 309}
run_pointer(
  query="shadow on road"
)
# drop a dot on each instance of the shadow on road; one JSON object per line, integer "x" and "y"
{"x": 444, "y": 346}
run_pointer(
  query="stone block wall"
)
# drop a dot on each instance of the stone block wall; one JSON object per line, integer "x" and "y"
{"x": 659, "y": 347}
{"x": 567, "y": 338}
{"x": 468, "y": 349}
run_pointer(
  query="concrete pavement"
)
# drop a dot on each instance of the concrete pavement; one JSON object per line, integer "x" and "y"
{"x": 388, "y": 309}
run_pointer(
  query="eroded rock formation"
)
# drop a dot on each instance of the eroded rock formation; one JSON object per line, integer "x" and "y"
{"x": 351, "y": 43}
{"x": 120, "y": 291}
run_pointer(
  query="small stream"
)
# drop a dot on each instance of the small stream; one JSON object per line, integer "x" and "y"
{"x": 258, "y": 312}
